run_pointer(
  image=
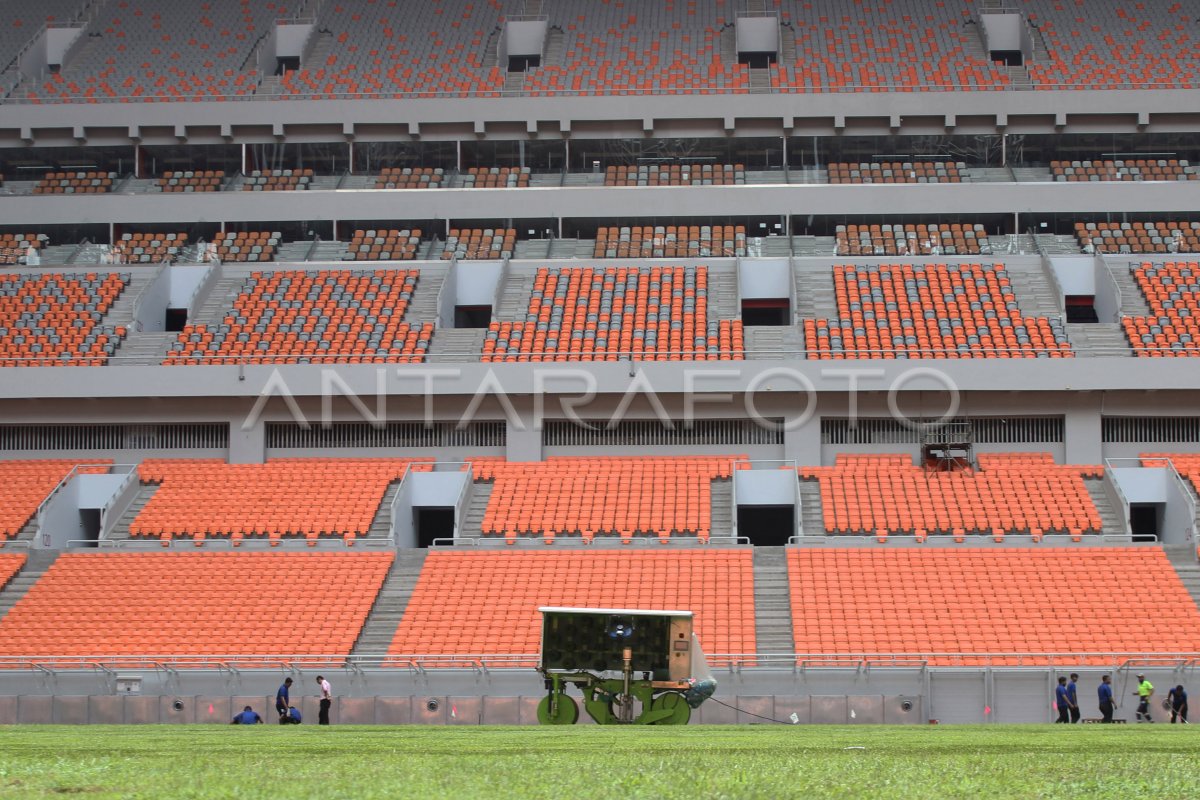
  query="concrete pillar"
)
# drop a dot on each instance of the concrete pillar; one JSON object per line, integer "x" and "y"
{"x": 247, "y": 446}
{"x": 1082, "y": 440}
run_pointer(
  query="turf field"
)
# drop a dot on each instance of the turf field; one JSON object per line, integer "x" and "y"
{"x": 587, "y": 762}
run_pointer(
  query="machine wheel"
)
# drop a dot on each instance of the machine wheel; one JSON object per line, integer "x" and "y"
{"x": 567, "y": 714}
{"x": 672, "y": 704}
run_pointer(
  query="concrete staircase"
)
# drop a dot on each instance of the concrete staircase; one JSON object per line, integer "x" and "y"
{"x": 1099, "y": 339}
{"x": 121, "y": 312}
{"x": 774, "y": 247}
{"x": 1110, "y": 519}
{"x": 456, "y": 345}
{"x": 812, "y": 519}
{"x": 381, "y": 524}
{"x": 772, "y": 602}
{"x": 554, "y": 47}
{"x": 1182, "y": 558}
{"x": 775, "y": 343}
{"x": 144, "y": 349}
{"x": 472, "y": 523}
{"x": 36, "y": 564}
{"x": 990, "y": 175}
{"x": 721, "y": 520}
{"x": 292, "y": 252}
{"x": 527, "y": 249}
{"x": 563, "y": 248}
{"x": 723, "y": 295}
{"x": 380, "y": 628}
{"x": 120, "y": 531}
{"x": 1032, "y": 174}
{"x": 317, "y": 52}
{"x": 815, "y": 295}
{"x": 1054, "y": 245}
{"x": 423, "y": 307}
{"x": 810, "y": 246}
{"x": 514, "y": 299}
{"x": 219, "y": 300}
{"x": 1035, "y": 296}
{"x": 760, "y": 81}
{"x": 328, "y": 252}
{"x": 1133, "y": 299}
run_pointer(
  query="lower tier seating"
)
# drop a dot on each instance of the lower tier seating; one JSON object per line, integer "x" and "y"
{"x": 478, "y": 603}
{"x": 54, "y": 319}
{"x": 1024, "y": 493}
{"x": 931, "y": 311}
{"x": 899, "y": 172}
{"x": 949, "y": 606}
{"x": 1172, "y": 328}
{"x": 902, "y": 240}
{"x": 196, "y": 604}
{"x": 25, "y": 484}
{"x": 589, "y": 497}
{"x": 310, "y": 498}
{"x": 1138, "y": 237}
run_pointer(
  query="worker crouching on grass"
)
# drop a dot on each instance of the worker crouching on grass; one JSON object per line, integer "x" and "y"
{"x": 1145, "y": 691}
{"x": 248, "y": 717}
{"x": 1178, "y": 699}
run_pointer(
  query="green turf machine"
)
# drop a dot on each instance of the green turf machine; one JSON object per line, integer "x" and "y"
{"x": 633, "y": 667}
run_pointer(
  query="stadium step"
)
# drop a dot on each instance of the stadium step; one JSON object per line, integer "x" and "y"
{"x": 36, "y": 564}
{"x": 292, "y": 252}
{"x": 771, "y": 247}
{"x": 1032, "y": 174}
{"x": 1133, "y": 300}
{"x": 1183, "y": 559}
{"x": 775, "y": 342}
{"x": 1035, "y": 296}
{"x": 721, "y": 510}
{"x": 554, "y": 47}
{"x": 532, "y": 248}
{"x": 327, "y": 252}
{"x": 458, "y": 345}
{"x": 722, "y": 296}
{"x": 1099, "y": 339}
{"x": 1110, "y": 520}
{"x": 816, "y": 297}
{"x": 424, "y": 304}
{"x": 381, "y": 524}
{"x": 120, "y": 531}
{"x": 563, "y": 248}
{"x": 812, "y": 519}
{"x": 380, "y": 627}
{"x": 1054, "y": 245}
{"x": 813, "y": 246}
{"x": 472, "y": 525}
{"x": 121, "y": 312}
{"x": 28, "y": 531}
{"x": 220, "y": 299}
{"x": 772, "y": 602}
{"x": 514, "y": 300}
{"x": 145, "y": 349}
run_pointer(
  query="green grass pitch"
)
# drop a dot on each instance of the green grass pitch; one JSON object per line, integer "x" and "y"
{"x": 267, "y": 761}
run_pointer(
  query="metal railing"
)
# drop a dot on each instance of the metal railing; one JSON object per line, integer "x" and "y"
{"x": 600, "y": 541}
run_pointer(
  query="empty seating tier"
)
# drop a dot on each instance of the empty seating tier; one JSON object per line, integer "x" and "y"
{"x": 495, "y": 178}
{"x": 486, "y": 603}
{"x": 148, "y": 248}
{"x": 245, "y": 245}
{"x": 1023, "y": 493}
{"x": 192, "y": 605}
{"x": 312, "y": 317}
{"x": 1133, "y": 170}
{"x": 410, "y": 178}
{"x": 381, "y": 245}
{"x": 15, "y": 247}
{"x": 671, "y": 241}
{"x": 10, "y": 565}
{"x": 308, "y": 498}
{"x": 931, "y": 311}
{"x": 1187, "y": 464}
{"x": 25, "y": 484}
{"x": 189, "y": 181}
{"x": 1138, "y": 237}
{"x": 75, "y": 183}
{"x": 479, "y": 243}
{"x": 619, "y": 312}
{"x": 277, "y": 180}
{"x": 676, "y": 175}
{"x": 55, "y": 319}
{"x": 1172, "y": 328}
{"x": 904, "y": 240}
{"x": 900, "y": 172}
{"x": 952, "y": 606}
{"x": 591, "y": 497}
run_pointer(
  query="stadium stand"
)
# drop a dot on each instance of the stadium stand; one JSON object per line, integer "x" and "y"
{"x": 24, "y": 18}
{"x": 309, "y": 498}
{"x": 471, "y": 603}
{"x": 246, "y": 245}
{"x": 1138, "y": 237}
{"x": 277, "y": 180}
{"x": 1187, "y": 464}
{"x": 1136, "y": 170}
{"x": 186, "y": 181}
{"x": 676, "y": 175}
{"x": 75, "y": 183}
{"x": 14, "y": 247}
{"x": 930, "y": 311}
{"x": 384, "y": 245}
{"x": 479, "y": 243}
{"x": 670, "y": 241}
{"x": 925, "y": 240}
{"x": 1172, "y": 291}
{"x": 25, "y": 484}
{"x": 899, "y": 172}
{"x": 885, "y": 495}
{"x": 590, "y": 497}
{"x": 191, "y": 605}
{"x": 10, "y": 565}
{"x": 148, "y": 248}
{"x": 495, "y": 178}
{"x": 950, "y": 604}
{"x": 312, "y": 317}
{"x": 54, "y": 319}
{"x": 598, "y": 314}
{"x": 410, "y": 178}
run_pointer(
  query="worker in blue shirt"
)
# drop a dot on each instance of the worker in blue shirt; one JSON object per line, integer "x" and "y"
{"x": 1178, "y": 698}
{"x": 1063, "y": 700}
{"x": 1073, "y": 696}
{"x": 283, "y": 701}
{"x": 1105, "y": 692}
{"x": 292, "y": 717}
{"x": 248, "y": 717}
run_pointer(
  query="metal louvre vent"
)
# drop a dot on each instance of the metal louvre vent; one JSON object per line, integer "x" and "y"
{"x": 393, "y": 434}
{"x": 168, "y": 436}
{"x": 987, "y": 430}
{"x": 1150, "y": 430}
{"x": 651, "y": 433}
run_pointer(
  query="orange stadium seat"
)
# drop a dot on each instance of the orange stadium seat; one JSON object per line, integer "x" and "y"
{"x": 486, "y": 603}
{"x": 246, "y": 245}
{"x": 76, "y": 183}
{"x": 54, "y": 319}
{"x": 676, "y": 175}
{"x": 1188, "y": 464}
{"x": 1138, "y": 237}
{"x": 671, "y": 241}
{"x": 1172, "y": 328}
{"x": 10, "y": 565}
{"x": 190, "y": 181}
{"x": 496, "y": 178}
{"x": 912, "y": 240}
{"x": 25, "y": 484}
{"x": 410, "y": 178}
{"x": 14, "y": 247}
{"x": 195, "y": 605}
{"x": 899, "y": 172}
{"x": 277, "y": 180}
{"x": 479, "y": 244}
{"x": 384, "y": 245}
{"x": 952, "y": 606}
{"x": 655, "y": 314}
{"x": 1166, "y": 169}
{"x": 148, "y": 248}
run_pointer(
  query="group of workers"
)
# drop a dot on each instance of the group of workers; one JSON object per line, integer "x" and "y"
{"x": 288, "y": 713}
{"x": 1066, "y": 699}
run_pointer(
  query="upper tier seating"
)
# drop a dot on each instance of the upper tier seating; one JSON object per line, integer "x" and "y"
{"x": 486, "y": 603}
{"x": 1138, "y": 237}
{"x": 53, "y": 319}
{"x": 1172, "y": 291}
{"x": 1133, "y": 170}
{"x": 14, "y": 247}
{"x": 676, "y": 175}
{"x": 1009, "y": 493}
{"x": 479, "y": 244}
{"x": 75, "y": 183}
{"x": 179, "y": 605}
{"x": 589, "y": 497}
{"x": 23, "y": 20}
{"x": 389, "y": 47}
{"x": 277, "y": 180}
{"x": 384, "y": 245}
{"x": 246, "y": 245}
{"x": 905, "y": 240}
{"x": 670, "y": 241}
{"x": 200, "y": 180}
{"x": 606, "y": 314}
{"x": 203, "y": 498}
{"x": 10, "y": 565}
{"x": 25, "y": 484}
{"x": 931, "y": 311}
{"x": 148, "y": 248}
{"x": 900, "y": 172}
{"x": 155, "y": 51}
{"x": 290, "y": 317}
{"x": 1187, "y": 464}
{"x": 941, "y": 604}
{"x": 410, "y": 178}
{"x": 495, "y": 178}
